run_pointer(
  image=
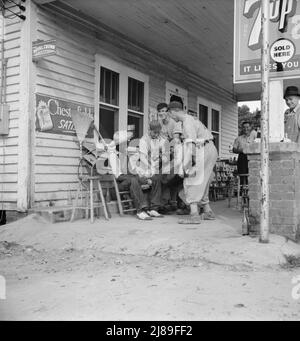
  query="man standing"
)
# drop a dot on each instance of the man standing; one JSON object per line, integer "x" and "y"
{"x": 200, "y": 155}
{"x": 248, "y": 136}
{"x": 292, "y": 115}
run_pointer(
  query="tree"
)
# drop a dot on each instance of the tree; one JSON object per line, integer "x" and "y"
{"x": 245, "y": 114}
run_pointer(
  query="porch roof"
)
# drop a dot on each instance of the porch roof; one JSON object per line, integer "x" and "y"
{"x": 197, "y": 35}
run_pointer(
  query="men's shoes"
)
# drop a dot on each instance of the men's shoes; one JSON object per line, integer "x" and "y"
{"x": 154, "y": 214}
{"x": 183, "y": 211}
{"x": 209, "y": 215}
{"x": 143, "y": 216}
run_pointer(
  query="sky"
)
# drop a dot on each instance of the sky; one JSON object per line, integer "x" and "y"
{"x": 253, "y": 105}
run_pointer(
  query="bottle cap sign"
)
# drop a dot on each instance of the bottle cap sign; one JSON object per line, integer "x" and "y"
{"x": 282, "y": 50}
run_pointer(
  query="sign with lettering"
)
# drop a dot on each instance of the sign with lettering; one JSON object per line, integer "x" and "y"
{"x": 41, "y": 49}
{"x": 53, "y": 115}
{"x": 284, "y": 41}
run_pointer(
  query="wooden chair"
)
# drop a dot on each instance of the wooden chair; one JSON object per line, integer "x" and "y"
{"x": 89, "y": 194}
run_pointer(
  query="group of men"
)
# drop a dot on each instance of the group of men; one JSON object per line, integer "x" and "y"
{"x": 175, "y": 161}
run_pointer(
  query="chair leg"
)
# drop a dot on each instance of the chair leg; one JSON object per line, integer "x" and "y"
{"x": 75, "y": 205}
{"x": 118, "y": 197}
{"x": 103, "y": 201}
{"x": 86, "y": 199}
{"x": 92, "y": 200}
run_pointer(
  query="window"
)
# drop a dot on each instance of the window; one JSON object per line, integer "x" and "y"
{"x": 121, "y": 96}
{"x": 203, "y": 114}
{"x": 215, "y": 127}
{"x": 210, "y": 116}
{"x": 109, "y": 87}
{"x": 135, "y": 95}
{"x": 136, "y": 105}
{"x": 109, "y": 103}
{"x": 176, "y": 91}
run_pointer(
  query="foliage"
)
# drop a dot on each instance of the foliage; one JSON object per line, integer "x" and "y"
{"x": 246, "y": 115}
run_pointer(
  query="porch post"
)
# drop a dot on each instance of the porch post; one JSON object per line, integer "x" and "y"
{"x": 264, "y": 174}
{"x": 26, "y": 119}
{"x": 276, "y": 111}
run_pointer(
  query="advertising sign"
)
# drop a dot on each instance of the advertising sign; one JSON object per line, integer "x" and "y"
{"x": 53, "y": 115}
{"x": 42, "y": 49}
{"x": 284, "y": 38}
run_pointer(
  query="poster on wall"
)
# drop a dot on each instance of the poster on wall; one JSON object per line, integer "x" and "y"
{"x": 53, "y": 115}
{"x": 284, "y": 40}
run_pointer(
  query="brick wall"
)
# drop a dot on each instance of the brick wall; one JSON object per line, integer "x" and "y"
{"x": 284, "y": 188}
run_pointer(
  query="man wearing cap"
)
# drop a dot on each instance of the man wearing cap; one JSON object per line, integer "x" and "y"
{"x": 292, "y": 115}
{"x": 200, "y": 155}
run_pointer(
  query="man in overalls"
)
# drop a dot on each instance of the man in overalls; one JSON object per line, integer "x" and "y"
{"x": 292, "y": 115}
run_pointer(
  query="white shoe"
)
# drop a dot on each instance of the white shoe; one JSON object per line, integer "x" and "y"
{"x": 143, "y": 216}
{"x": 154, "y": 214}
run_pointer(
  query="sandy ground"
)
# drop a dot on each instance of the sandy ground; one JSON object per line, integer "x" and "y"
{"x": 126, "y": 269}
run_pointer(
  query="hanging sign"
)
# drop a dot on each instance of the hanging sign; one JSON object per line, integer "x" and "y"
{"x": 41, "y": 49}
{"x": 284, "y": 40}
{"x": 53, "y": 115}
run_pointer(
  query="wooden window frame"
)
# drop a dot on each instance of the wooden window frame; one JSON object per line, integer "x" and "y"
{"x": 124, "y": 73}
{"x": 212, "y": 106}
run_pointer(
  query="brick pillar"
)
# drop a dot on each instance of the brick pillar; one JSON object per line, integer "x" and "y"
{"x": 284, "y": 187}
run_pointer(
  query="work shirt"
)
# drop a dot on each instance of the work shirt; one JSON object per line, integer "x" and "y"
{"x": 150, "y": 152}
{"x": 195, "y": 130}
{"x": 292, "y": 124}
{"x": 170, "y": 129}
{"x": 241, "y": 141}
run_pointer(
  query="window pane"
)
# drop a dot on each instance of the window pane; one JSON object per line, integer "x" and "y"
{"x": 109, "y": 87}
{"x": 108, "y": 123}
{"x": 135, "y": 95}
{"x": 215, "y": 120}
{"x": 203, "y": 114}
{"x": 217, "y": 140}
{"x": 138, "y": 122}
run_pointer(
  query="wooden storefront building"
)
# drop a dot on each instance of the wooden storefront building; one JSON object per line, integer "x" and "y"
{"x": 116, "y": 60}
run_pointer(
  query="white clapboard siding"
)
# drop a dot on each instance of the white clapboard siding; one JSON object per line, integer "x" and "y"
{"x": 68, "y": 75}
{"x": 229, "y": 128}
{"x": 8, "y": 187}
{"x": 156, "y": 91}
{"x": 8, "y": 160}
{"x": 9, "y": 144}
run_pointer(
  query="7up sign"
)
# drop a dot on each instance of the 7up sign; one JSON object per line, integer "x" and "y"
{"x": 284, "y": 39}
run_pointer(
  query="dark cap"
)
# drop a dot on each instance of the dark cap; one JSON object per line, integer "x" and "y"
{"x": 175, "y": 105}
{"x": 291, "y": 91}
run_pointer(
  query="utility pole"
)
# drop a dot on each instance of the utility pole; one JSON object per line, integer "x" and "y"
{"x": 264, "y": 175}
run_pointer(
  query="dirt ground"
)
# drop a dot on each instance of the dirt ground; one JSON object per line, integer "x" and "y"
{"x": 126, "y": 269}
